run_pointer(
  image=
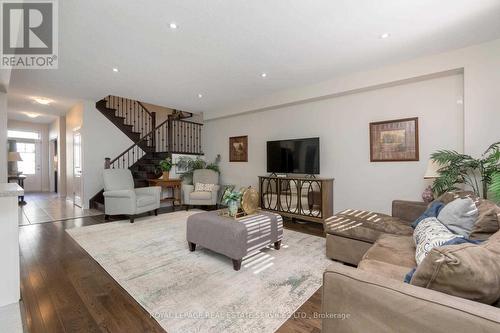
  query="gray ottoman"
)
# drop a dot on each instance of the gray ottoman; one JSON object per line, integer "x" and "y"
{"x": 234, "y": 238}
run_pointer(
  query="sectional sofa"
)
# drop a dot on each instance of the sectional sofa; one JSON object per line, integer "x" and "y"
{"x": 364, "y": 290}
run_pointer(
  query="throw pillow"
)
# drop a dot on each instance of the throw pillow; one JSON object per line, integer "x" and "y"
{"x": 459, "y": 216}
{"x": 432, "y": 211}
{"x": 428, "y": 234}
{"x": 466, "y": 270}
{"x": 488, "y": 221}
{"x": 200, "y": 187}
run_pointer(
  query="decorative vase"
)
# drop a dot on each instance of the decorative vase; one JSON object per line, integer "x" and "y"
{"x": 165, "y": 174}
{"x": 427, "y": 195}
{"x": 232, "y": 207}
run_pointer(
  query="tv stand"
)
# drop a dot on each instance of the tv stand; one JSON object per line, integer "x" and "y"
{"x": 302, "y": 198}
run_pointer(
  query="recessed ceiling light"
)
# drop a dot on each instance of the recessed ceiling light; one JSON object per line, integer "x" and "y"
{"x": 385, "y": 35}
{"x": 32, "y": 115}
{"x": 115, "y": 70}
{"x": 263, "y": 75}
{"x": 200, "y": 95}
{"x": 43, "y": 101}
{"x": 173, "y": 25}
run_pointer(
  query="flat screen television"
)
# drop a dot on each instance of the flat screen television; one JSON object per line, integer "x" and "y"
{"x": 293, "y": 156}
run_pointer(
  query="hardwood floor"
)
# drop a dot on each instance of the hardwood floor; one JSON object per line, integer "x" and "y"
{"x": 64, "y": 290}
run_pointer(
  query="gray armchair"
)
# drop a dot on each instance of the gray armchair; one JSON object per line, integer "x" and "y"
{"x": 203, "y": 198}
{"x": 121, "y": 198}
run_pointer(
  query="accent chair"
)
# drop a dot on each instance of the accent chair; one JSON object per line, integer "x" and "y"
{"x": 202, "y": 198}
{"x": 121, "y": 198}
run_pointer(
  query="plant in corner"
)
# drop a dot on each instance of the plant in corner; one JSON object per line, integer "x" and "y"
{"x": 189, "y": 164}
{"x": 459, "y": 168}
{"x": 166, "y": 166}
{"x": 495, "y": 186}
{"x": 232, "y": 200}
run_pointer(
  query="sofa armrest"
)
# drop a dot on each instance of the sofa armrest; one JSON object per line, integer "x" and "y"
{"x": 129, "y": 194}
{"x": 150, "y": 190}
{"x": 357, "y": 301}
{"x": 215, "y": 194}
{"x": 408, "y": 210}
{"x": 186, "y": 189}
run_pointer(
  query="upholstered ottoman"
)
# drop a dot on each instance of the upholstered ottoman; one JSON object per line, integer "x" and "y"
{"x": 234, "y": 238}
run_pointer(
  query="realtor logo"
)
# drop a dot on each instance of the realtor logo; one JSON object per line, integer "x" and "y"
{"x": 29, "y": 34}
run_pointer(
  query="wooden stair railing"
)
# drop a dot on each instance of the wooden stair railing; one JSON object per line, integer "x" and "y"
{"x": 130, "y": 116}
{"x": 172, "y": 136}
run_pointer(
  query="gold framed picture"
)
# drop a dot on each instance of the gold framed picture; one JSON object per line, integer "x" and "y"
{"x": 394, "y": 140}
{"x": 238, "y": 149}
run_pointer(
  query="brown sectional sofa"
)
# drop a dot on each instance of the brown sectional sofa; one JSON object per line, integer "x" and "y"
{"x": 373, "y": 296}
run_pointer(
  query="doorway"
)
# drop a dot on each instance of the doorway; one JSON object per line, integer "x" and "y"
{"x": 77, "y": 169}
{"x": 53, "y": 165}
{"x": 30, "y": 166}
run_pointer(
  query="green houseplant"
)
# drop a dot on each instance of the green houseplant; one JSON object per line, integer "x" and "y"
{"x": 166, "y": 166}
{"x": 190, "y": 164}
{"x": 459, "y": 168}
{"x": 495, "y": 186}
{"x": 232, "y": 200}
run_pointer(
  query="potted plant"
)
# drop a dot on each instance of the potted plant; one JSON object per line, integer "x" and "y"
{"x": 165, "y": 167}
{"x": 232, "y": 200}
{"x": 495, "y": 186}
{"x": 189, "y": 165}
{"x": 459, "y": 168}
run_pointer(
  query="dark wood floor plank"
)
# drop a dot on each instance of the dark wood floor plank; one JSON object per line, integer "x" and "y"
{"x": 65, "y": 290}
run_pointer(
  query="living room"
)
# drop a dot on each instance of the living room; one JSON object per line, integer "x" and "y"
{"x": 271, "y": 167}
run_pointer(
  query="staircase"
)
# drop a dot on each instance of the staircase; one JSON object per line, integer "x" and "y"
{"x": 152, "y": 143}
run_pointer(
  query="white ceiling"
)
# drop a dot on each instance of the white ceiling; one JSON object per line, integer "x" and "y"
{"x": 221, "y": 47}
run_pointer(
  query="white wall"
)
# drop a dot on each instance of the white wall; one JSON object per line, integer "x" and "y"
{"x": 43, "y": 129}
{"x": 480, "y": 128}
{"x": 481, "y": 64}
{"x": 74, "y": 122}
{"x": 342, "y": 125}
{"x": 3, "y": 137}
{"x": 100, "y": 139}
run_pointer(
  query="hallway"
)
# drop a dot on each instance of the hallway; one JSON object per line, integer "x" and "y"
{"x": 49, "y": 207}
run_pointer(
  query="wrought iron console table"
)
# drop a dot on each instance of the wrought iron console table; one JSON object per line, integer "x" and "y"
{"x": 309, "y": 199}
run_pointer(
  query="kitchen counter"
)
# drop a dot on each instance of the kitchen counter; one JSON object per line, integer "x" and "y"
{"x": 10, "y": 190}
{"x": 9, "y": 243}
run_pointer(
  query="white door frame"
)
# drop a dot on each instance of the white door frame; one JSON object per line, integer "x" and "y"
{"x": 77, "y": 169}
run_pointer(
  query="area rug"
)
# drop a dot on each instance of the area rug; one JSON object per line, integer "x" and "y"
{"x": 199, "y": 291}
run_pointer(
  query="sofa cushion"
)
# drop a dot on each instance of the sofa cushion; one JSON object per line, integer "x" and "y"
{"x": 384, "y": 269}
{"x": 488, "y": 220}
{"x": 430, "y": 233}
{"x": 448, "y": 197}
{"x": 393, "y": 249}
{"x": 465, "y": 270}
{"x": 145, "y": 200}
{"x": 365, "y": 226}
{"x": 200, "y": 195}
{"x": 459, "y": 216}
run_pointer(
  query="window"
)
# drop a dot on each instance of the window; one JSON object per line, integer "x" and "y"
{"x": 28, "y": 153}
{"x": 13, "y": 134}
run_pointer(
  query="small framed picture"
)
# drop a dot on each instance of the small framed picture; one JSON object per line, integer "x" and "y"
{"x": 394, "y": 140}
{"x": 238, "y": 149}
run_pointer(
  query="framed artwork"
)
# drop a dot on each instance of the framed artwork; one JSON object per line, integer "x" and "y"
{"x": 394, "y": 140}
{"x": 175, "y": 159}
{"x": 238, "y": 149}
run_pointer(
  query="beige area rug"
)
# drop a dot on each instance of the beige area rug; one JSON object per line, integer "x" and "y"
{"x": 199, "y": 291}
